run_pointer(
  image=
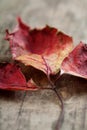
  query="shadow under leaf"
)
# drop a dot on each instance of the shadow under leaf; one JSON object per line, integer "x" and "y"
{"x": 72, "y": 84}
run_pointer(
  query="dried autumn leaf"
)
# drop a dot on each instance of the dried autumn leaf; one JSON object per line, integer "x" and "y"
{"x": 43, "y": 49}
{"x": 76, "y": 62}
{"x": 11, "y": 78}
{"x": 37, "y": 76}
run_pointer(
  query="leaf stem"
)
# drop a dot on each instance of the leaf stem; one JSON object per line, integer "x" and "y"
{"x": 48, "y": 71}
{"x": 61, "y": 116}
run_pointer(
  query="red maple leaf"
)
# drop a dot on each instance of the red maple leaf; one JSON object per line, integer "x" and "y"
{"x": 76, "y": 62}
{"x": 11, "y": 78}
{"x": 47, "y": 50}
{"x": 43, "y": 49}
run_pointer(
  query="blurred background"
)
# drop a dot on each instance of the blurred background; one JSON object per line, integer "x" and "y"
{"x": 40, "y": 109}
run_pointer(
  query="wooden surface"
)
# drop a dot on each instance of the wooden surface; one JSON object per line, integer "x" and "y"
{"x": 40, "y": 109}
